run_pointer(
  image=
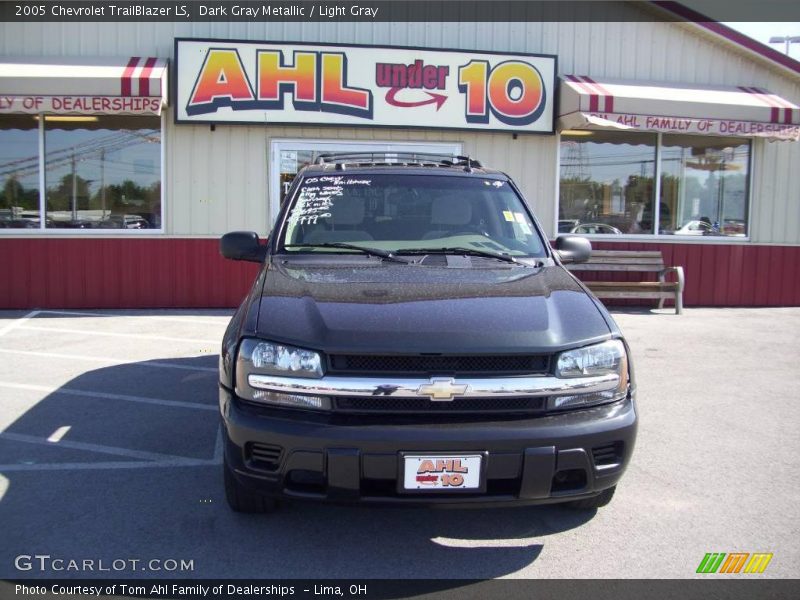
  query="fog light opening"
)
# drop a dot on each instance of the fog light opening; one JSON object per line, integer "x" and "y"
{"x": 569, "y": 480}
{"x": 303, "y": 480}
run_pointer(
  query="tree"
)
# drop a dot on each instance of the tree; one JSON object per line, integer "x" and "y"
{"x": 12, "y": 192}
{"x": 15, "y": 194}
{"x": 60, "y": 197}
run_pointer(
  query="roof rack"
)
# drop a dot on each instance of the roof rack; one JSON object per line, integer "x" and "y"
{"x": 387, "y": 159}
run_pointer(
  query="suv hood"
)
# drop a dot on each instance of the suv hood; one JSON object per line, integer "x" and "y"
{"x": 374, "y": 307}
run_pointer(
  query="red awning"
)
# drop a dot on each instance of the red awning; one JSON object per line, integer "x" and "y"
{"x": 124, "y": 86}
{"x": 746, "y": 111}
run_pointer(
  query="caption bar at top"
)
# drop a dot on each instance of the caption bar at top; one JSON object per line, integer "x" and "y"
{"x": 395, "y": 10}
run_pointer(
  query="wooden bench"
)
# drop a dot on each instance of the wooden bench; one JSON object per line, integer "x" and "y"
{"x": 629, "y": 261}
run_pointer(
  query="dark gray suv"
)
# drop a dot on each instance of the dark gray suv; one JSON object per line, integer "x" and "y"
{"x": 412, "y": 338}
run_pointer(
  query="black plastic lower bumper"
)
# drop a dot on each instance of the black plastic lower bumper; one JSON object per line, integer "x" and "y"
{"x": 539, "y": 460}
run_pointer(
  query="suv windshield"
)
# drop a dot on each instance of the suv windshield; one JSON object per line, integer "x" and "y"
{"x": 402, "y": 212}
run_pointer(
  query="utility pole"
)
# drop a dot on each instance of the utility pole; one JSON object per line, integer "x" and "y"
{"x": 785, "y": 39}
{"x": 74, "y": 189}
{"x": 103, "y": 182}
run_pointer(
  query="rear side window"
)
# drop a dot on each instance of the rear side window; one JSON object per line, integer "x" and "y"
{"x": 406, "y": 212}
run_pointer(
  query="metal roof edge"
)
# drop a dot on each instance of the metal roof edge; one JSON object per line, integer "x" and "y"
{"x": 785, "y": 63}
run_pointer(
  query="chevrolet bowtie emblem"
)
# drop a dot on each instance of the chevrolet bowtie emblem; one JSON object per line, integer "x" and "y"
{"x": 441, "y": 388}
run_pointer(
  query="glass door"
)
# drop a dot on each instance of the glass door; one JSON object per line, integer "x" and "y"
{"x": 287, "y": 157}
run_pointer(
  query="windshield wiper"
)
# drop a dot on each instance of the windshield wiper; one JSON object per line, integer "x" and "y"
{"x": 370, "y": 251}
{"x": 460, "y": 250}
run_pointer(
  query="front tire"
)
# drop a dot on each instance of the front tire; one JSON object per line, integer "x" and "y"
{"x": 599, "y": 501}
{"x": 242, "y": 500}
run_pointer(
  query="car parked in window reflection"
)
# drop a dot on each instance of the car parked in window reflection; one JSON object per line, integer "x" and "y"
{"x": 696, "y": 228}
{"x": 587, "y": 228}
{"x": 74, "y": 224}
{"x": 126, "y": 222}
{"x": 566, "y": 225}
{"x": 734, "y": 227}
{"x": 23, "y": 223}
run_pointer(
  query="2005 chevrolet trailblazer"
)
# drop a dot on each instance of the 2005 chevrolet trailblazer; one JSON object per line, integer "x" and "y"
{"x": 412, "y": 338}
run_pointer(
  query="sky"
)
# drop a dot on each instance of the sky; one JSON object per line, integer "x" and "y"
{"x": 763, "y": 31}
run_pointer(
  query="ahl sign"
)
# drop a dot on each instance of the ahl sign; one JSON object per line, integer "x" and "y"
{"x": 290, "y": 83}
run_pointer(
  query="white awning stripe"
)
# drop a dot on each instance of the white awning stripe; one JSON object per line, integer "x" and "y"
{"x": 135, "y": 76}
{"x": 148, "y": 84}
{"x": 596, "y": 92}
{"x": 774, "y": 102}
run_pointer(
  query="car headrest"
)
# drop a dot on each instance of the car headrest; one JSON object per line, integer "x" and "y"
{"x": 451, "y": 210}
{"x": 347, "y": 211}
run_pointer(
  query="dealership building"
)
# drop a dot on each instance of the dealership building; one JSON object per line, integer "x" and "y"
{"x": 127, "y": 149}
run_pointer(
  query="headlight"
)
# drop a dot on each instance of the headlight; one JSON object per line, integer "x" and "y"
{"x": 605, "y": 359}
{"x": 258, "y": 357}
{"x": 599, "y": 359}
{"x": 277, "y": 359}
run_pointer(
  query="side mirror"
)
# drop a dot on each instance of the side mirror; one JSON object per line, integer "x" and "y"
{"x": 242, "y": 245}
{"x": 573, "y": 248}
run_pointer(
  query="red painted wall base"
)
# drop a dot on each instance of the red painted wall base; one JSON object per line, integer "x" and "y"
{"x": 120, "y": 273}
{"x": 190, "y": 273}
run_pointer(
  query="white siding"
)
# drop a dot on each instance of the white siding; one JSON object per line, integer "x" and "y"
{"x": 220, "y": 178}
{"x": 217, "y": 181}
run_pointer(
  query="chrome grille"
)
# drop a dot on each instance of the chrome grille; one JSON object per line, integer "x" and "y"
{"x": 421, "y": 364}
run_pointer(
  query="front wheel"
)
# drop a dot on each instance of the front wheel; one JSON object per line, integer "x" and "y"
{"x": 243, "y": 500}
{"x": 599, "y": 501}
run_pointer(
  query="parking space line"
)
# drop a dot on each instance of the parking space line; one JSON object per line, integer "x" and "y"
{"x": 177, "y": 319}
{"x": 18, "y": 322}
{"x": 98, "y": 448}
{"x": 461, "y": 543}
{"x": 140, "y": 336}
{"x": 58, "y": 434}
{"x": 106, "y": 395}
{"x": 218, "y": 446}
{"x": 111, "y": 361}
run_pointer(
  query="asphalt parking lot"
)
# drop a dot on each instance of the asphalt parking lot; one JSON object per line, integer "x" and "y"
{"x": 110, "y": 449}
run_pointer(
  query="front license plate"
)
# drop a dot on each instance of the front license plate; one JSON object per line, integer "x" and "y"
{"x": 451, "y": 472}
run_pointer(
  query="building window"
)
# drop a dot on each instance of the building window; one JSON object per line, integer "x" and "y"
{"x": 704, "y": 183}
{"x": 607, "y": 184}
{"x": 19, "y": 172}
{"x": 99, "y": 172}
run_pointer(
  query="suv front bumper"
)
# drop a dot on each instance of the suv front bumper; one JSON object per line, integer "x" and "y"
{"x": 537, "y": 460}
